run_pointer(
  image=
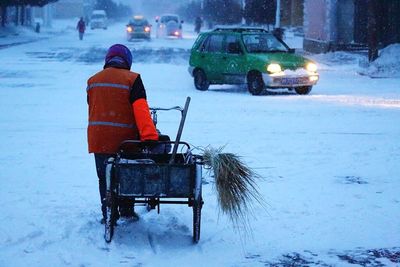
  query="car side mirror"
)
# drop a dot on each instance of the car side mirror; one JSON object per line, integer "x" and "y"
{"x": 292, "y": 50}
{"x": 234, "y": 48}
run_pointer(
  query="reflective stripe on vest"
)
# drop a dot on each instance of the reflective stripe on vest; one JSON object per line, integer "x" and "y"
{"x": 113, "y": 124}
{"x": 114, "y": 85}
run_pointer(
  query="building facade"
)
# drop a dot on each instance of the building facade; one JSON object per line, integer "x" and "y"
{"x": 331, "y": 25}
{"x": 291, "y": 14}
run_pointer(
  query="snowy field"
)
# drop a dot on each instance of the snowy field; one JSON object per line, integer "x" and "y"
{"x": 330, "y": 162}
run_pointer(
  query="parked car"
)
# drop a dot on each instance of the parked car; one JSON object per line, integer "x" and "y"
{"x": 169, "y": 25}
{"x": 98, "y": 20}
{"x": 249, "y": 55}
{"x": 138, "y": 27}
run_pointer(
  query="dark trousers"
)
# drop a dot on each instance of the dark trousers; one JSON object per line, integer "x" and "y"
{"x": 101, "y": 160}
{"x": 125, "y": 207}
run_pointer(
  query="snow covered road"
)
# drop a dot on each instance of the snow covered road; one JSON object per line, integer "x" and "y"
{"x": 330, "y": 162}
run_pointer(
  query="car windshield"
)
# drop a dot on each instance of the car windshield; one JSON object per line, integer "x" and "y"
{"x": 98, "y": 16}
{"x": 141, "y": 22}
{"x": 263, "y": 43}
{"x": 165, "y": 19}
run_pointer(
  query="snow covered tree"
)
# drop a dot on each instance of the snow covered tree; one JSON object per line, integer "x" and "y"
{"x": 26, "y": 2}
{"x": 112, "y": 9}
{"x": 189, "y": 11}
{"x": 222, "y": 11}
{"x": 260, "y": 11}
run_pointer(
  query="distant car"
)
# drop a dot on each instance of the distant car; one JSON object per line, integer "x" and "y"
{"x": 98, "y": 20}
{"x": 138, "y": 27}
{"x": 169, "y": 25}
{"x": 249, "y": 55}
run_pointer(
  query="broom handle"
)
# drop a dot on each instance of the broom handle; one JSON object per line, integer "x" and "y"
{"x": 178, "y": 136}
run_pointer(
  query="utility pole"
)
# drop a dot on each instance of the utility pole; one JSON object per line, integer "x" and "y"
{"x": 278, "y": 14}
{"x": 243, "y": 8}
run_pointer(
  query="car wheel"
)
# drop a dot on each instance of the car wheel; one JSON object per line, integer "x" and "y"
{"x": 304, "y": 90}
{"x": 255, "y": 83}
{"x": 200, "y": 80}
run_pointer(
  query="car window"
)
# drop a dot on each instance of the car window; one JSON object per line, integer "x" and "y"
{"x": 165, "y": 19}
{"x": 204, "y": 45}
{"x": 139, "y": 22}
{"x": 230, "y": 39}
{"x": 98, "y": 16}
{"x": 215, "y": 43}
{"x": 263, "y": 43}
{"x": 198, "y": 44}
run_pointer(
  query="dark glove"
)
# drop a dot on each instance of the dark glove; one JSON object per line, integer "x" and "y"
{"x": 158, "y": 147}
{"x": 149, "y": 144}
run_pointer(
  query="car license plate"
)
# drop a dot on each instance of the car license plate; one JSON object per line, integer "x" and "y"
{"x": 291, "y": 81}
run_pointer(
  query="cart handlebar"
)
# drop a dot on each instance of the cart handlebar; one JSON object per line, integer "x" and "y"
{"x": 166, "y": 109}
{"x": 144, "y": 144}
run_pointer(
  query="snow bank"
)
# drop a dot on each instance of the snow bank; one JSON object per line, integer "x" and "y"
{"x": 12, "y": 35}
{"x": 339, "y": 59}
{"x": 16, "y": 35}
{"x": 387, "y": 65}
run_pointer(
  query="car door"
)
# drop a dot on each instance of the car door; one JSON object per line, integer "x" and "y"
{"x": 211, "y": 54}
{"x": 233, "y": 60}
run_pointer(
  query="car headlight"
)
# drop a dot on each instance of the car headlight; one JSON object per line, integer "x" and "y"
{"x": 274, "y": 68}
{"x": 147, "y": 29}
{"x": 312, "y": 67}
{"x": 129, "y": 29}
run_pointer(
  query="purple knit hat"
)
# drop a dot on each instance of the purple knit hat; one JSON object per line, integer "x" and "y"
{"x": 119, "y": 50}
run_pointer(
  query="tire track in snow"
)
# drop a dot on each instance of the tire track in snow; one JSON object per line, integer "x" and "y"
{"x": 30, "y": 236}
{"x": 151, "y": 242}
{"x": 358, "y": 101}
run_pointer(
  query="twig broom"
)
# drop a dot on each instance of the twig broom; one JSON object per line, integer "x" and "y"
{"x": 235, "y": 184}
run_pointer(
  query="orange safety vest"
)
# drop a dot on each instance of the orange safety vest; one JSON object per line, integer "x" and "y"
{"x": 111, "y": 118}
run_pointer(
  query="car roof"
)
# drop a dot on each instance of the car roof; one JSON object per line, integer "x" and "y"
{"x": 138, "y": 20}
{"x": 169, "y": 15}
{"x": 139, "y": 17}
{"x": 240, "y": 29}
{"x": 99, "y": 12}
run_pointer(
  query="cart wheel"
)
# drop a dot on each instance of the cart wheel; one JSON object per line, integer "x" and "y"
{"x": 110, "y": 217}
{"x": 197, "y": 205}
{"x": 111, "y": 208}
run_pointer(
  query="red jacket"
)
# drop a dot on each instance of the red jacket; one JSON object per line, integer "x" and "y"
{"x": 112, "y": 117}
{"x": 81, "y": 26}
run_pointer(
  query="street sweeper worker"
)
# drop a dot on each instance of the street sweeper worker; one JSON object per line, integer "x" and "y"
{"x": 118, "y": 111}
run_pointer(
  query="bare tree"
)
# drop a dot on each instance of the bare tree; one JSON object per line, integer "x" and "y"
{"x": 372, "y": 31}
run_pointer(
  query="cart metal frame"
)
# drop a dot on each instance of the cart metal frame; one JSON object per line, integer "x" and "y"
{"x": 153, "y": 179}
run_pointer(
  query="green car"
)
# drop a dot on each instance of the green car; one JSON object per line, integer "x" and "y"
{"x": 249, "y": 55}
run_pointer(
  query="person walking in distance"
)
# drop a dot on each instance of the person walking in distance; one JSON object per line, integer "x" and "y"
{"x": 198, "y": 23}
{"x": 81, "y": 27}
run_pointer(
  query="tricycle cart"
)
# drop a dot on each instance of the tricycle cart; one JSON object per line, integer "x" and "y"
{"x": 138, "y": 176}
